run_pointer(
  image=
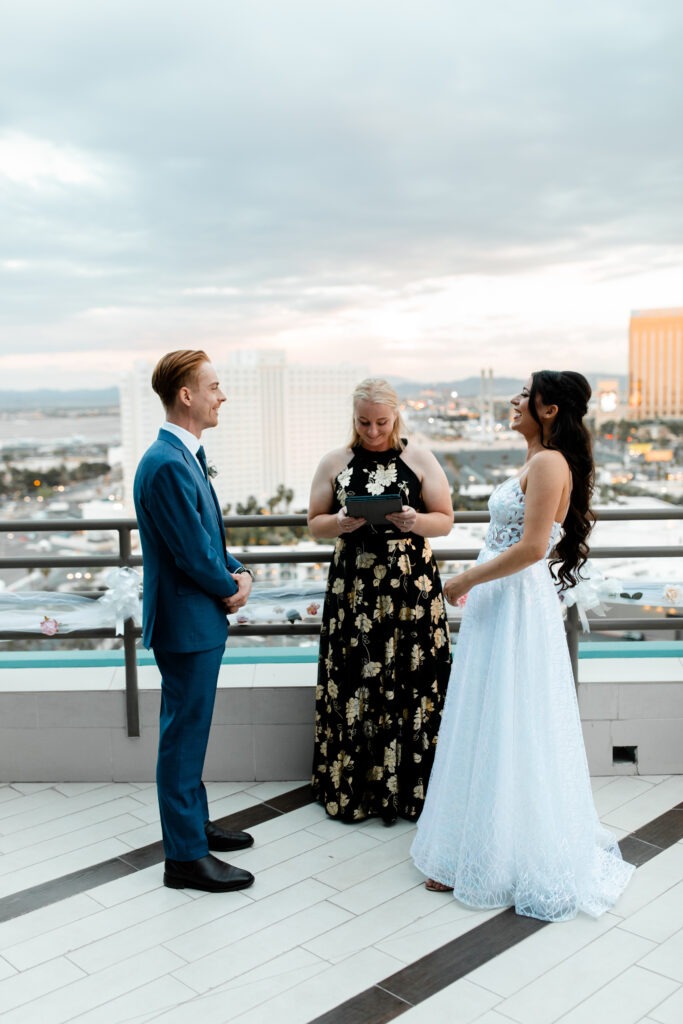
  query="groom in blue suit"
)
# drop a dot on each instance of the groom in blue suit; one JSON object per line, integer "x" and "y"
{"x": 191, "y": 584}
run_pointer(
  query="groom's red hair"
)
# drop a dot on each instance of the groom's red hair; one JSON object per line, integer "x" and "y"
{"x": 176, "y": 370}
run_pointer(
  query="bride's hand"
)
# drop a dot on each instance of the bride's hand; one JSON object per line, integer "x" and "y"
{"x": 455, "y": 588}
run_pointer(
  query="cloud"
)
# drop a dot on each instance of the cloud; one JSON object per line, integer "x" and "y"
{"x": 323, "y": 175}
{"x": 38, "y": 163}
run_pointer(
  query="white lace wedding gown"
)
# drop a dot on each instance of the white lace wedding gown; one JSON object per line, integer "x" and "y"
{"x": 509, "y": 817}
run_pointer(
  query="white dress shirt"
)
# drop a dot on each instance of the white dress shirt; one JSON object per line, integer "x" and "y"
{"x": 190, "y": 440}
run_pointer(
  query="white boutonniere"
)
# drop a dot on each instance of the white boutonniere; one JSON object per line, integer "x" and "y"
{"x": 212, "y": 470}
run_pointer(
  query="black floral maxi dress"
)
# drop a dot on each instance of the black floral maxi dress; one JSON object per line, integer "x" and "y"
{"x": 385, "y": 657}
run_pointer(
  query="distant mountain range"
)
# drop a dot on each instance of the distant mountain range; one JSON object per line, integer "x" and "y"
{"x": 103, "y": 398}
{"x": 52, "y": 398}
{"x": 471, "y": 386}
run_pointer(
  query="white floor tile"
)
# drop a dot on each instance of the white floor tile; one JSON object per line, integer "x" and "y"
{"x": 156, "y": 996}
{"x": 644, "y": 808}
{"x": 667, "y": 958}
{"x": 577, "y": 978}
{"x": 231, "y": 803}
{"x": 7, "y": 793}
{"x": 380, "y": 888}
{"x": 459, "y": 1003}
{"x": 31, "y": 787}
{"x": 157, "y": 930}
{"x": 31, "y": 985}
{"x": 76, "y": 788}
{"x": 323, "y": 991}
{"x": 623, "y": 789}
{"x": 44, "y": 920}
{"x": 661, "y": 918}
{"x": 671, "y": 1010}
{"x": 600, "y": 781}
{"x": 12, "y": 810}
{"x": 146, "y": 813}
{"x": 387, "y": 833}
{"x": 64, "y": 865}
{"x": 528, "y": 960}
{"x": 79, "y": 933}
{"x": 229, "y": 1001}
{"x": 269, "y": 790}
{"x": 371, "y": 862}
{"x": 141, "y": 835}
{"x": 130, "y": 886}
{"x": 70, "y": 823}
{"x": 650, "y": 881}
{"x": 265, "y": 913}
{"x": 493, "y": 1017}
{"x": 11, "y": 863}
{"x": 219, "y": 790}
{"x": 624, "y": 1000}
{"x": 430, "y": 933}
{"x": 312, "y": 864}
{"x": 261, "y": 947}
{"x": 6, "y": 969}
{"x": 95, "y": 990}
{"x": 372, "y": 927}
{"x": 49, "y": 804}
{"x": 286, "y": 824}
{"x": 259, "y": 858}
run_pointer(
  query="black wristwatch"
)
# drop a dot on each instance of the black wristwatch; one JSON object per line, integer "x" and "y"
{"x": 243, "y": 568}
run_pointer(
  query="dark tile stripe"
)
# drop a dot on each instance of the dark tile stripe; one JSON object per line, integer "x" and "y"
{"x": 425, "y": 977}
{"x": 292, "y": 800}
{"x": 454, "y": 960}
{"x": 663, "y": 831}
{"x": 635, "y": 851}
{"x": 57, "y": 889}
{"x": 374, "y": 1006}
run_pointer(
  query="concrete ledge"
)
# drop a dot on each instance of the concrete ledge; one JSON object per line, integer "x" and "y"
{"x": 67, "y": 723}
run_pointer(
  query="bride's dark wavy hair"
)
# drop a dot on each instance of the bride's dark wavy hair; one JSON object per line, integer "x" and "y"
{"x": 570, "y": 392}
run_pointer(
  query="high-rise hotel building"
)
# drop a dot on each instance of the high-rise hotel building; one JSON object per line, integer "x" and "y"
{"x": 656, "y": 364}
{"x": 278, "y": 422}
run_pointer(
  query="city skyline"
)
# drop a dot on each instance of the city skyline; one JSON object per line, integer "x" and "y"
{"x": 426, "y": 192}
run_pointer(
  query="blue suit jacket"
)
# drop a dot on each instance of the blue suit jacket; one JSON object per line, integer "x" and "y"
{"x": 187, "y": 568}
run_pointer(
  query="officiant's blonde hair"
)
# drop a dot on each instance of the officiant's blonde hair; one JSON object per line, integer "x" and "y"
{"x": 376, "y": 389}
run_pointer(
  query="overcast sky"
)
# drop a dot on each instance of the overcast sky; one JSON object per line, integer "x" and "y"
{"x": 426, "y": 187}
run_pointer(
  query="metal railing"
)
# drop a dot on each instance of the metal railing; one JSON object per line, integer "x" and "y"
{"x": 291, "y": 554}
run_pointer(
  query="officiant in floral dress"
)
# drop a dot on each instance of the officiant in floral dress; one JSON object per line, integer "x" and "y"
{"x": 385, "y": 651}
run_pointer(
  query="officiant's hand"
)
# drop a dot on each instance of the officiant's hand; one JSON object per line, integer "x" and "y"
{"x": 456, "y": 587}
{"x": 347, "y": 524}
{"x": 404, "y": 520}
{"x": 238, "y": 600}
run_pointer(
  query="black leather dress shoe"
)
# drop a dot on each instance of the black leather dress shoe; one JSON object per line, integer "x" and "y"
{"x": 220, "y": 839}
{"x": 208, "y": 873}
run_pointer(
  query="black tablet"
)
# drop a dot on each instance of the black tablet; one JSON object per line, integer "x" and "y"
{"x": 374, "y": 507}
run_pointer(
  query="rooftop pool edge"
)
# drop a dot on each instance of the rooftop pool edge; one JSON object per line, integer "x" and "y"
{"x": 303, "y": 655}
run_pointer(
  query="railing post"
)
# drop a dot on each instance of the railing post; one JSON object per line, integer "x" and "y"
{"x": 572, "y": 627}
{"x": 129, "y": 652}
{"x": 130, "y": 658}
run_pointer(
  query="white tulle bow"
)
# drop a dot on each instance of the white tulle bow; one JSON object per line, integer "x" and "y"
{"x": 589, "y": 594}
{"x": 122, "y": 599}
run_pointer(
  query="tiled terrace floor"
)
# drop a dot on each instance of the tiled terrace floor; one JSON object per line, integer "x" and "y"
{"x": 336, "y": 911}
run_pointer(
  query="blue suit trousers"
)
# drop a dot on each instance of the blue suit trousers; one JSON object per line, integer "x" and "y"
{"x": 188, "y": 693}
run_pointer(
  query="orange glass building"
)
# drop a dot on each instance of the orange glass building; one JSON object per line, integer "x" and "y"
{"x": 656, "y": 364}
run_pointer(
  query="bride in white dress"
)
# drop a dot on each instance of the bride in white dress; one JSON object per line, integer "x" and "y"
{"x": 509, "y": 817}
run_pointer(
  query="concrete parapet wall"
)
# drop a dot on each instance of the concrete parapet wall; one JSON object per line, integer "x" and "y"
{"x": 68, "y": 724}
{"x": 633, "y": 704}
